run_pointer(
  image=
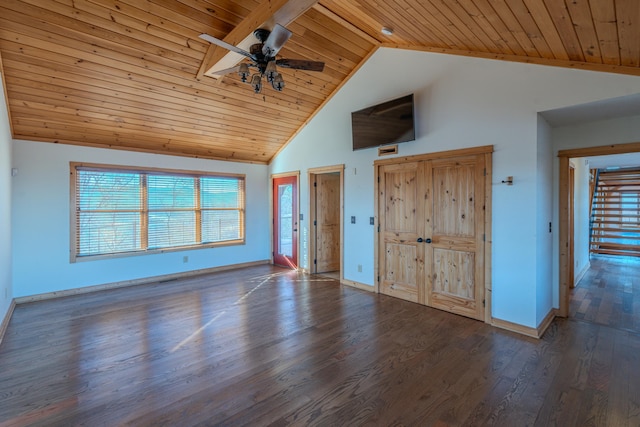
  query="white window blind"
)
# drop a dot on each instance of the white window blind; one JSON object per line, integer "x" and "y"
{"x": 118, "y": 211}
{"x": 220, "y": 198}
{"x": 172, "y": 211}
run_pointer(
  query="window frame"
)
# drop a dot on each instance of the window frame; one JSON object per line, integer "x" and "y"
{"x": 73, "y": 208}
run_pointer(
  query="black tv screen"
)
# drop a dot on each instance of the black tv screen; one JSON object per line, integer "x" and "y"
{"x": 387, "y": 123}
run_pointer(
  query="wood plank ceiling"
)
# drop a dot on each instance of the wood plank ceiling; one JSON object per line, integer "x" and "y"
{"x": 124, "y": 73}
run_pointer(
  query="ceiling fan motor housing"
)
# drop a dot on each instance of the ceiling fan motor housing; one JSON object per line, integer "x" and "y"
{"x": 261, "y": 60}
{"x": 256, "y": 50}
{"x": 262, "y": 34}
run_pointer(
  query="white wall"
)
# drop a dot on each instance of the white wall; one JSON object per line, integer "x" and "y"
{"x": 544, "y": 212}
{"x": 581, "y": 206}
{"x": 41, "y": 236}
{"x": 6, "y": 294}
{"x": 460, "y": 102}
{"x": 593, "y": 134}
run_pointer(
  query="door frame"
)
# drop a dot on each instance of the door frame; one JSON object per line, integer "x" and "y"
{"x": 295, "y": 174}
{"x": 564, "y": 210}
{"x": 572, "y": 229}
{"x": 487, "y": 150}
{"x": 311, "y": 172}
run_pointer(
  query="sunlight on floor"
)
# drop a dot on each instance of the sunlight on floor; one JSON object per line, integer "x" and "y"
{"x": 222, "y": 313}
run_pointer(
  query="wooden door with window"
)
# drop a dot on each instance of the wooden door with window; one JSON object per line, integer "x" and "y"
{"x": 285, "y": 221}
{"x": 431, "y": 242}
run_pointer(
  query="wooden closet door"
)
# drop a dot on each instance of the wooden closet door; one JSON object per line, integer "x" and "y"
{"x": 454, "y": 248}
{"x": 401, "y": 256}
{"x": 327, "y": 222}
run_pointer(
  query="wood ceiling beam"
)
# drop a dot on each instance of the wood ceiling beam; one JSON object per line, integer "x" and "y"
{"x": 266, "y": 15}
{"x": 343, "y": 22}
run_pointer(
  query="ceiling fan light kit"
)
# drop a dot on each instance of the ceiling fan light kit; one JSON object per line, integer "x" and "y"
{"x": 278, "y": 83}
{"x": 263, "y": 57}
{"x": 271, "y": 71}
{"x": 256, "y": 82}
{"x": 243, "y": 71}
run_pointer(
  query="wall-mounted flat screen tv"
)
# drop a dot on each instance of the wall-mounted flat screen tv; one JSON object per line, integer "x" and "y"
{"x": 387, "y": 123}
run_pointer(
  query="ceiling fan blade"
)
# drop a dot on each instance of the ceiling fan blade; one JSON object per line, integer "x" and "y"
{"x": 300, "y": 64}
{"x": 228, "y": 70}
{"x": 235, "y": 69}
{"x": 226, "y": 45}
{"x": 278, "y": 37}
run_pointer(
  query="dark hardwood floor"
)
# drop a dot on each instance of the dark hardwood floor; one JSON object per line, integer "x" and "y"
{"x": 266, "y": 346}
{"x": 609, "y": 293}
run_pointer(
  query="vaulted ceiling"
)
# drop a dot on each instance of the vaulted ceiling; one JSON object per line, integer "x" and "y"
{"x": 133, "y": 74}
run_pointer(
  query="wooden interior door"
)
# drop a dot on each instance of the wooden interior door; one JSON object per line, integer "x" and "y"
{"x": 431, "y": 241}
{"x": 401, "y": 255}
{"x": 327, "y": 222}
{"x": 285, "y": 221}
{"x": 454, "y": 236}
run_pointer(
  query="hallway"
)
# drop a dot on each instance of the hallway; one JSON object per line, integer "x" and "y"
{"x": 608, "y": 294}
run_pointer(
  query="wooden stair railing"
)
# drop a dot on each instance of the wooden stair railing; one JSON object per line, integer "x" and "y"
{"x": 615, "y": 213}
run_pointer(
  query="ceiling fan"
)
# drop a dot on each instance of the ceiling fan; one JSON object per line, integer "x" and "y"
{"x": 263, "y": 58}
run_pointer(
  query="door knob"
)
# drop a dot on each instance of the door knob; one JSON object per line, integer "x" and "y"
{"x": 427, "y": 240}
{"x": 420, "y": 240}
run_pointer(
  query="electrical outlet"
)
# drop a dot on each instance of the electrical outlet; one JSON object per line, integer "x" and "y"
{"x": 353, "y": 220}
{"x": 372, "y": 220}
{"x": 359, "y": 268}
{"x": 185, "y": 259}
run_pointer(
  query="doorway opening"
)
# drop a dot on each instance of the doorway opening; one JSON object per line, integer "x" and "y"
{"x": 285, "y": 220}
{"x": 326, "y": 221}
{"x": 597, "y": 274}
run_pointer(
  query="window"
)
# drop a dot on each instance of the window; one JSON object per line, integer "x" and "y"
{"x": 123, "y": 211}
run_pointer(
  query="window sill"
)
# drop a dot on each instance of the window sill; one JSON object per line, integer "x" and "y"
{"x": 85, "y": 258}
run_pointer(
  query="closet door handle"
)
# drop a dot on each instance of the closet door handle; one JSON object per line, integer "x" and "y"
{"x": 419, "y": 240}
{"x": 427, "y": 241}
